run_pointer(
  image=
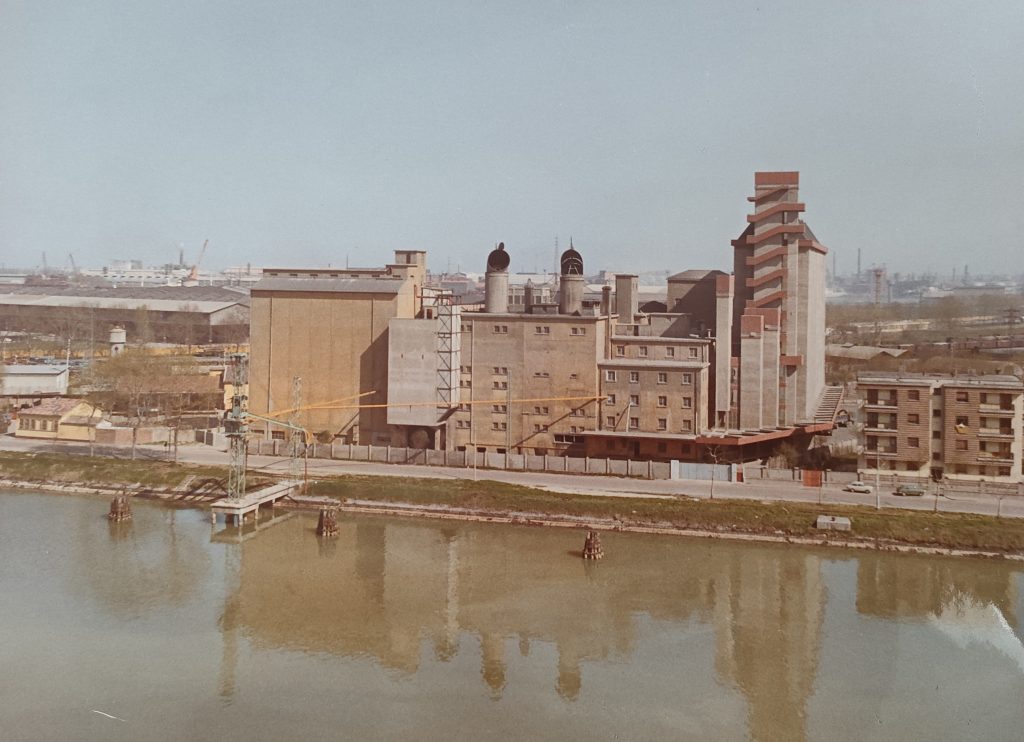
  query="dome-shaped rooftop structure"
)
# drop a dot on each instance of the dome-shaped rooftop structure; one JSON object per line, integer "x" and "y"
{"x": 571, "y": 262}
{"x": 498, "y": 260}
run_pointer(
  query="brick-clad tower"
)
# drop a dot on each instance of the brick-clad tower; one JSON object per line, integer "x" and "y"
{"x": 779, "y": 269}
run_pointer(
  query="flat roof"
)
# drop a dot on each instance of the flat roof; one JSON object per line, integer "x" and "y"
{"x": 101, "y": 302}
{"x": 33, "y": 369}
{"x": 381, "y": 285}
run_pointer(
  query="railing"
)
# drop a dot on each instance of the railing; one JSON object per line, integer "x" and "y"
{"x": 1002, "y": 432}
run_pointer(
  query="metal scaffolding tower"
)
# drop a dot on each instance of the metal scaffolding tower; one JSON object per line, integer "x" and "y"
{"x": 235, "y": 425}
{"x": 297, "y": 440}
{"x": 448, "y": 331}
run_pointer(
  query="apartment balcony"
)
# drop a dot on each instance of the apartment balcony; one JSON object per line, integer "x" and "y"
{"x": 883, "y": 453}
{"x": 995, "y": 409}
{"x": 880, "y": 404}
{"x": 995, "y": 433}
{"x": 883, "y": 428}
{"x": 996, "y": 457}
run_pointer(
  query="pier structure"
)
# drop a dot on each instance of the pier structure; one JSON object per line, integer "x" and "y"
{"x": 234, "y": 509}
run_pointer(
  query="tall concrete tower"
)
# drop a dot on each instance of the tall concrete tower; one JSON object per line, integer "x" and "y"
{"x": 571, "y": 282}
{"x": 779, "y": 309}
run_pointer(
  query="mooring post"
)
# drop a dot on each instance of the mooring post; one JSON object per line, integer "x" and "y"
{"x": 120, "y": 509}
{"x": 327, "y": 525}
{"x": 592, "y": 546}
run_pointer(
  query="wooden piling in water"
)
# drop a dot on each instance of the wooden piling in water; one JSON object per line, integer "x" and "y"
{"x": 592, "y": 546}
{"x": 327, "y": 525}
{"x": 120, "y": 509}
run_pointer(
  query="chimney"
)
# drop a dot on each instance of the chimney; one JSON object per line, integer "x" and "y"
{"x": 571, "y": 283}
{"x": 496, "y": 281}
{"x": 626, "y": 297}
{"x": 606, "y": 300}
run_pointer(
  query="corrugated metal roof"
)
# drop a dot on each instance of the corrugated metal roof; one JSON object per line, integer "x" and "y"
{"x": 173, "y": 293}
{"x": 332, "y": 285}
{"x": 33, "y": 369}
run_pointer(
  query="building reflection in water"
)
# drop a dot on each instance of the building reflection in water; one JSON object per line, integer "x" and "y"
{"x": 385, "y": 587}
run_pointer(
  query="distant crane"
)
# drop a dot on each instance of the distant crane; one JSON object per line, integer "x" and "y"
{"x": 194, "y": 273}
{"x": 74, "y": 265}
{"x": 46, "y": 268}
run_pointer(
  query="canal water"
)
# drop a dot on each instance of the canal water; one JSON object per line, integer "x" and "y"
{"x": 165, "y": 628}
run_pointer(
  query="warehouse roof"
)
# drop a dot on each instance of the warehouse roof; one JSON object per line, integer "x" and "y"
{"x": 104, "y": 302}
{"x": 332, "y": 285}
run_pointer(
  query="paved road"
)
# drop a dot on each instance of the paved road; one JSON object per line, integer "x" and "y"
{"x": 1011, "y": 506}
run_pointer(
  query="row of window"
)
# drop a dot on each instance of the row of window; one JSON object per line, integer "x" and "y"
{"x": 634, "y": 401}
{"x": 537, "y": 330}
{"x": 634, "y": 377}
{"x": 644, "y": 352}
{"x": 661, "y": 424}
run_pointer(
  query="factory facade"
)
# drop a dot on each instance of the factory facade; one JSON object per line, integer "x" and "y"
{"x": 732, "y": 366}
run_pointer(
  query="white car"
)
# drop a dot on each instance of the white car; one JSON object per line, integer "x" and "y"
{"x": 858, "y": 487}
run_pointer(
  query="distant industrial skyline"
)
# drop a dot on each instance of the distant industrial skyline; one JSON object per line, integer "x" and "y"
{"x": 313, "y": 133}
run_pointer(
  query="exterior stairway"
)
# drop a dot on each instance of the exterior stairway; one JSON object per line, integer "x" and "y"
{"x": 829, "y": 404}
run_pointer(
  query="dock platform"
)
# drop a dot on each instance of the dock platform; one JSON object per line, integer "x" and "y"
{"x": 234, "y": 511}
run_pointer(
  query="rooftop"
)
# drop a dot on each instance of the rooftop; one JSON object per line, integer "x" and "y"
{"x": 382, "y": 285}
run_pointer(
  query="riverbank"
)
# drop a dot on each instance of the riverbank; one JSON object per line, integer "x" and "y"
{"x": 956, "y": 533}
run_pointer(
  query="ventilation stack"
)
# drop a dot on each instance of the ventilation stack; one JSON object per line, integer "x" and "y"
{"x": 626, "y": 299}
{"x": 496, "y": 281}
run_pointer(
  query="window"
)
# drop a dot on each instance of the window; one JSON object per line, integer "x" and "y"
{"x": 662, "y": 423}
{"x": 961, "y": 420}
{"x": 634, "y": 423}
{"x": 620, "y": 350}
{"x": 961, "y": 445}
{"x": 610, "y": 421}
{"x": 642, "y": 351}
{"x": 541, "y": 374}
{"x": 687, "y": 426}
{"x": 499, "y": 426}
{"x": 1004, "y": 471}
{"x": 538, "y": 410}
{"x": 914, "y": 395}
{"x": 610, "y": 400}
{"x": 687, "y": 378}
{"x": 693, "y": 352}
{"x": 609, "y": 375}
{"x": 662, "y": 377}
{"x": 913, "y": 417}
{"x": 541, "y": 330}
{"x": 961, "y": 397}
{"x": 578, "y": 331}
{"x": 577, "y": 412}
{"x": 670, "y": 352}
{"x": 465, "y": 383}
{"x": 936, "y": 413}
{"x": 500, "y": 385}
{"x": 634, "y": 377}
{"x": 500, "y": 371}
{"x": 499, "y": 408}
{"x": 536, "y": 427}
{"x": 913, "y": 443}
{"x": 466, "y": 327}
{"x": 573, "y": 377}
{"x": 936, "y": 435}
{"x": 634, "y": 400}
{"x": 662, "y": 401}
{"x": 501, "y": 329}
{"x": 687, "y": 403}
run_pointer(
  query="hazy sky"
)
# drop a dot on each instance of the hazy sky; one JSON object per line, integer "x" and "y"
{"x": 295, "y": 133}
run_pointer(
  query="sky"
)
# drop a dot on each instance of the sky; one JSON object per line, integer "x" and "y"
{"x": 312, "y": 133}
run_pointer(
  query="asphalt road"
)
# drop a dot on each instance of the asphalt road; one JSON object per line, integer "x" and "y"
{"x": 981, "y": 503}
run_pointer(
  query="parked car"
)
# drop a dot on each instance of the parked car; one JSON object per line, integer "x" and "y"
{"x": 909, "y": 490}
{"x": 858, "y": 487}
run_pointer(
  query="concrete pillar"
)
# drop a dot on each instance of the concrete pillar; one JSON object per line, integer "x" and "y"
{"x": 496, "y": 281}
{"x": 606, "y": 300}
{"x": 724, "y": 290}
{"x": 751, "y": 382}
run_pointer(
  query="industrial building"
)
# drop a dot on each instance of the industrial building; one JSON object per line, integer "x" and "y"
{"x": 727, "y": 367}
{"x": 173, "y": 314}
{"x": 952, "y": 427}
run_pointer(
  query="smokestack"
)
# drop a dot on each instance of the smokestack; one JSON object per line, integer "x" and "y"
{"x": 626, "y": 290}
{"x": 528, "y": 297}
{"x": 606, "y": 300}
{"x": 496, "y": 281}
{"x": 571, "y": 285}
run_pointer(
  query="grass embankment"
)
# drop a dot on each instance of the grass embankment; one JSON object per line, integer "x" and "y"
{"x": 99, "y": 471}
{"x": 918, "y": 528}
